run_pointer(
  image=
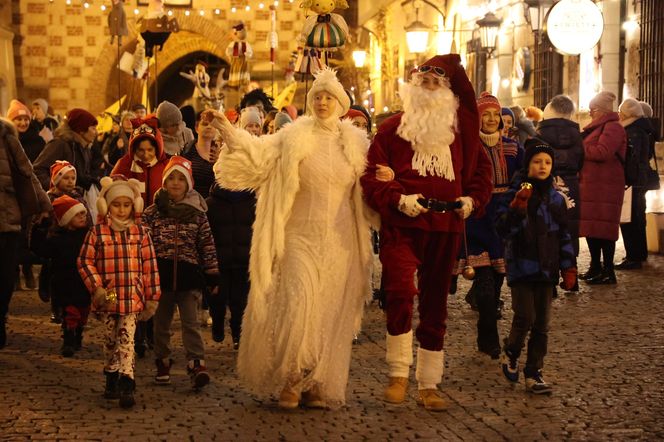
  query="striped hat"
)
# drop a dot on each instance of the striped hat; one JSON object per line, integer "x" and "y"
{"x": 59, "y": 169}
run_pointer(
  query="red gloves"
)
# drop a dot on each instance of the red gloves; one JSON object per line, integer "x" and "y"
{"x": 569, "y": 278}
{"x": 520, "y": 201}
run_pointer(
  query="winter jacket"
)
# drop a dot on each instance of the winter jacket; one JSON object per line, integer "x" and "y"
{"x": 602, "y": 180}
{"x": 564, "y": 137}
{"x": 32, "y": 142}
{"x": 231, "y": 215}
{"x": 148, "y": 174}
{"x": 10, "y": 212}
{"x": 640, "y": 134}
{"x": 63, "y": 247}
{"x": 126, "y": 260}
{"x": 185, "y": 250}
{"x": 67, "y": 145}
{"x": 537, "y": 243}
{"x": 112, "y": 152}
{"x": 201, "y": 170}
{"x": 472, "y": 171}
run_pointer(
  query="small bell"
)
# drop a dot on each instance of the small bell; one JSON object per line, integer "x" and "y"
{"x": 526, "y": 185}
{"x": 468, "y": 273}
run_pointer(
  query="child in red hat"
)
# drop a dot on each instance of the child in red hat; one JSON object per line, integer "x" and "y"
{"x": 187, "y": 261}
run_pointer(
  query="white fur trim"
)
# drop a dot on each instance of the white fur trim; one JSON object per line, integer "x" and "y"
{"x": 399, "y": 354}
{"x": 326, "y": 80}
{"x": 430, "y": 367}
{"x": 550, "y": 113}
{"x": 62, "y": 172}
{"x": 71, "y": 213}
{"x": 182, "y": 170}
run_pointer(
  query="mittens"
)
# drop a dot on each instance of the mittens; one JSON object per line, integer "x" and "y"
{"x": 569, "y": 278}
{"x": 520, "y": 201}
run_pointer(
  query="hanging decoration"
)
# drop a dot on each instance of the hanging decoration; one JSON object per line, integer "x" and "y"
{"x": 156, "y": 27}
{"x": 239, "y": 51}
{"x": 201, "y": 81}
{"x": 117, "y": 21}
{"x": 323, "y": 33}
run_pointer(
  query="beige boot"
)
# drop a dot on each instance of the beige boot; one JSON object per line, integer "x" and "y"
{"x": 399, "y": 357}
{"x": 313, "y": 398}
{"x": 289, "y": 398}
{"x": 429, "y": 373}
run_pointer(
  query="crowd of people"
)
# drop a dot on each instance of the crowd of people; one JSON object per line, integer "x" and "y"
{"x": 269, "y": 214}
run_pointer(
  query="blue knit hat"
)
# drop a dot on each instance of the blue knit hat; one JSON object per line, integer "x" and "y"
{"x": 507, "y": 111}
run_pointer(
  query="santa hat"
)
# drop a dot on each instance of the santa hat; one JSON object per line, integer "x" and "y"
{"x": 352, "y": 113}
{"x": 80, "y": 120}
{"x": 326, "y": 80}
{"x": 115, "y": 186}
{"x": 17, "y": 109}
{"x": 182, "y": 165}
{"x": 488, "y": 101}
{"x": 59, "y": 169}
{"x": 250, "y": 115}
{"x": 603, "y": 101}
{"x": 66, "y": 208}
{"x": 146, "y": 129}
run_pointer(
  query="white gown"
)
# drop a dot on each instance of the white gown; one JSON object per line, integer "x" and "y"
{"x": 306, "y": 338}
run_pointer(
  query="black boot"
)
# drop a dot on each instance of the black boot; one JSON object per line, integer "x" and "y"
{"x": 140, "y": 341}
{"x": 111, "y": 389}
{"x": 30, "y": 282}
{"x": 593, "y": 271}
{"x": 606, "y": 276}
{"x": 498, "y": 279}
{"x": 453, "y": 285}
{"x": 487, "y": 329}
{"x": 78, "y": 343}
{"x": 126, "y": 386}
{"x": 68, "y": 343}
{"x": 44, "y": 276}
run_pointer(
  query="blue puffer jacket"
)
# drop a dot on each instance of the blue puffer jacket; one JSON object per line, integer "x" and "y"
{"x": 537, "y": 243}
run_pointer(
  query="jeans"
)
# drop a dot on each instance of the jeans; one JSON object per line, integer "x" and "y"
{"x": 187, "y": 303}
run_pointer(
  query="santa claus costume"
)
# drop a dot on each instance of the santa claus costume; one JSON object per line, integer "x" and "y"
{"x": 430, "y": 151}
{"x": 310, "y": 251}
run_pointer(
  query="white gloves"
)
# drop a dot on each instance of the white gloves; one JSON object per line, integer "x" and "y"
{"x": 148, "y": 311}
{"x": 466, "y": 207}
{"x": 409, "y": 206}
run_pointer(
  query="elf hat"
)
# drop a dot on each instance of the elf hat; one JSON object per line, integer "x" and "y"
{"x": 183, "y": 166}
{"x": 59, "y": 169}
{"x": 115, "y": 186}
{"x": 66, "y": 208}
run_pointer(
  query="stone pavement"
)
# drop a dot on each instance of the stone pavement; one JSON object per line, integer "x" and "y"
{"x": 606, "y": 362}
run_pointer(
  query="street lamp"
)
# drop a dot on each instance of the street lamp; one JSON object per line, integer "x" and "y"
{"x": 537, "y": 10}
{"x": 359, "y": 58}
{"x": 417, "y": 35}
{"x": 489, "y": 27}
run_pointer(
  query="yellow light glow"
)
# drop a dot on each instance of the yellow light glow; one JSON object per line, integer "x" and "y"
{"x": 359, "y": 58}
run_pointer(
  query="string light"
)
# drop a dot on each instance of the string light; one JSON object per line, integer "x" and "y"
{"x": 247, "y": 8}
{"x": 201, "y": 12}
{"x": 233, "y": 9}
{"x": 261, "y": 6}
{"x": 170, "y": 12}
{"x": 68, "y": 2}
{"x": 187, "y": 12}
{"x": 217, "y": 11}
{"x": 136, "y": 11}
{"x": 86, "y": 5}
{"x": 103, "y": 7}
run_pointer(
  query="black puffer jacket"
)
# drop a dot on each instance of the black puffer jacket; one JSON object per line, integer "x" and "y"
{"x": 231, "y": 216}
{"x": 32, "y": 142}
{"x": 641, "y": 135}
{"x": 66, "y": 286}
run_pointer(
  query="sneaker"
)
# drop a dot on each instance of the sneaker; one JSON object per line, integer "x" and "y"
{"x": 510, "y": 367}
{"x": 198, "y": 373}
{"x": 163, "y": 376}
{"x": 536, "y": 384}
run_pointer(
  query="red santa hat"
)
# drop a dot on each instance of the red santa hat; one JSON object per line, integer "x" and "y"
{"x": 59, "y": 169}
{"x": 182, "y": 165}
{"x": 146, "y": 129}
{"x": 66, "y": 208}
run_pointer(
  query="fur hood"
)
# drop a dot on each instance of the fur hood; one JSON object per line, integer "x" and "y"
{"x": 7, "y": 128}
{"x": 66, "y": 133}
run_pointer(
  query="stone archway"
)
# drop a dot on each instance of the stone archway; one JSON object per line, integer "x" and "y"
{"x": 196, "y": 34}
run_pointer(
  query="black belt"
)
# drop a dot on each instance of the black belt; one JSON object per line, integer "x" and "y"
{"x": 439, "y": 206}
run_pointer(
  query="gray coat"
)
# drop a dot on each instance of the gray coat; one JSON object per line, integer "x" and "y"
{"x": 10, "y": 213}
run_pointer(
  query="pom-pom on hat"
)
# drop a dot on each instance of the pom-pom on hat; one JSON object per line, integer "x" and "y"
{"x": 488, "y": 101}
{"x": 182, "y": 165}
{"x": 603, "y": 101}
{"x": 59, "y": 169}
{"x": 17, "y": 109}
{"x": 80, "y": 120}
{"x": 115, "y": 186}
{"x": 326, "y": 80}
{"x": 534, "y": 146}
{"x": 66, "y": 208}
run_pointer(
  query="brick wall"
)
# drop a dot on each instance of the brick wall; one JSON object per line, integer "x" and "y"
{"x": 63, "y": 52}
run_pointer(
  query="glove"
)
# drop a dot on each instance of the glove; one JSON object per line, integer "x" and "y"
{"x": 99, "y": 297}
{"x": 569, "y": 278}
{"x": 520, "y": 201}
{"x": 212, "y": 283}
{"x": 409, "y": 206}
{"x": 467, "y": 206}
{"x": 148, "y": 311}
{"x": 384, "y": 173}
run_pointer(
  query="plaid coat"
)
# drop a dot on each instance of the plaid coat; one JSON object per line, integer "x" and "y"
{"x": 125, "y": 258}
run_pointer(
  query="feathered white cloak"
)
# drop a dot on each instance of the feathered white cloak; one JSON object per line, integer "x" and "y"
{"x": 271, "y": 166}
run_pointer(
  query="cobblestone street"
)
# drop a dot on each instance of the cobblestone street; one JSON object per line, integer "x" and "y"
{"x": 605, "y": 361}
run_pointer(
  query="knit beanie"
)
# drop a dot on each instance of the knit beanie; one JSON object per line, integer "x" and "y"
{"x": 507, "y": 111}
{"x": 560, "y": 106}
{"x": 603, "y": 101}
{"x": 66, "y": 208}
{"x": 488, "y": 101}
{"x": 17, "y": 109}
{"x": 280, "y": 120}
{"x": 115, "y": 186}
{"x": 168, "y": 114}
{"x": 80, "y": 120}
{"x": 182, "y": 165}
{"x": 326, "y": 80}
{"x": 631, "y": 108}
{"x": 534, "y": 146}
{"x": 250, "y": 115}
{"x": 43, "y": 105}
{"x": 59, "y": 169}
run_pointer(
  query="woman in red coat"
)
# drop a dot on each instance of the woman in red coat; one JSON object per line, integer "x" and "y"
{"x": 602, "y": 185}
{"x": 145, "y": 159}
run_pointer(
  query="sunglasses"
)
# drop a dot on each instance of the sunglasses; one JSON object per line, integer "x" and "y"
{"x": 436, "y": 70}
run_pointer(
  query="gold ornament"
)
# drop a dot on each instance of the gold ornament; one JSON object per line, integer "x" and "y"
{"x": 111, "y": 296}
{"x": 468, "y": 273}
{"x": 526, "y": 185}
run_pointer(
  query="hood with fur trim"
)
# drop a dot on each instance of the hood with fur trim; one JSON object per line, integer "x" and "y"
{"x": 7, "y": 128}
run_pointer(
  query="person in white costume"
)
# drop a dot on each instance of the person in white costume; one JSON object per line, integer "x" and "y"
{"x": 311, "y": 248}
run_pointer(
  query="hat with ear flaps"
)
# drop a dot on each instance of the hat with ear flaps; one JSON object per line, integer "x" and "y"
{"x": 116, "y": 186}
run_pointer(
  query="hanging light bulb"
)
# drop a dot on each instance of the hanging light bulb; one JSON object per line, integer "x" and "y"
{"x": 136, "y": 11}
{"x": 170, "y": 12}
{"x": 276, "y": 3}
{"x": 247, "y": 8}
{"x": 103, "y": 7}
{"x": 86, "y": 5}
{"x": 187, "y": 12}
{"x": 201, "y": 12}
{"x": 217, "y": 11}
{"x": 261, "y": 6}
{"x": 68, "y": 2}
{"x": 233, "y": 9}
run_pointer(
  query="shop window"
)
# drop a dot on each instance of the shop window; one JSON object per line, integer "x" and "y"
{"x": 547, "y": 72}
{"x": 651, "y": 76}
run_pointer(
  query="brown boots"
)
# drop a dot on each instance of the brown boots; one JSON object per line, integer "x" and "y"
{"x": 395, "y": 393}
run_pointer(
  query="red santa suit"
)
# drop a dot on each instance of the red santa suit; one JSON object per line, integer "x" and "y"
{"x": 426, "y": 244}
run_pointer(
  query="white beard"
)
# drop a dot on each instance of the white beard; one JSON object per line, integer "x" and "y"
{"x": 429, "y": 122}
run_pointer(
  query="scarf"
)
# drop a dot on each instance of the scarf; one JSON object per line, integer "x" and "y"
{"x": 120, "y": 226}
{"x": 181, "y": 211}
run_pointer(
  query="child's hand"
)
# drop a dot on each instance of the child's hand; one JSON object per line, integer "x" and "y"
{"x": 148, "y": 311}
{"x": 520, "y": 201}
{"x": 569, "y": 278}
{"x": 99, "y": 297}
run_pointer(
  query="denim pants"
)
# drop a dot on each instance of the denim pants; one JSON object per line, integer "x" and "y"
{"x": 187, "y": 303}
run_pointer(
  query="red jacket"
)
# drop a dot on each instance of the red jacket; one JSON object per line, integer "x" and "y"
{"x": 602, "y": 178}
{"x": 149, "y": 176}
{"x": 472, "y": 170}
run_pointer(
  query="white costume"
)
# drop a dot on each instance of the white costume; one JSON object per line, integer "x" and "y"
{"x": 310, "y": 254}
